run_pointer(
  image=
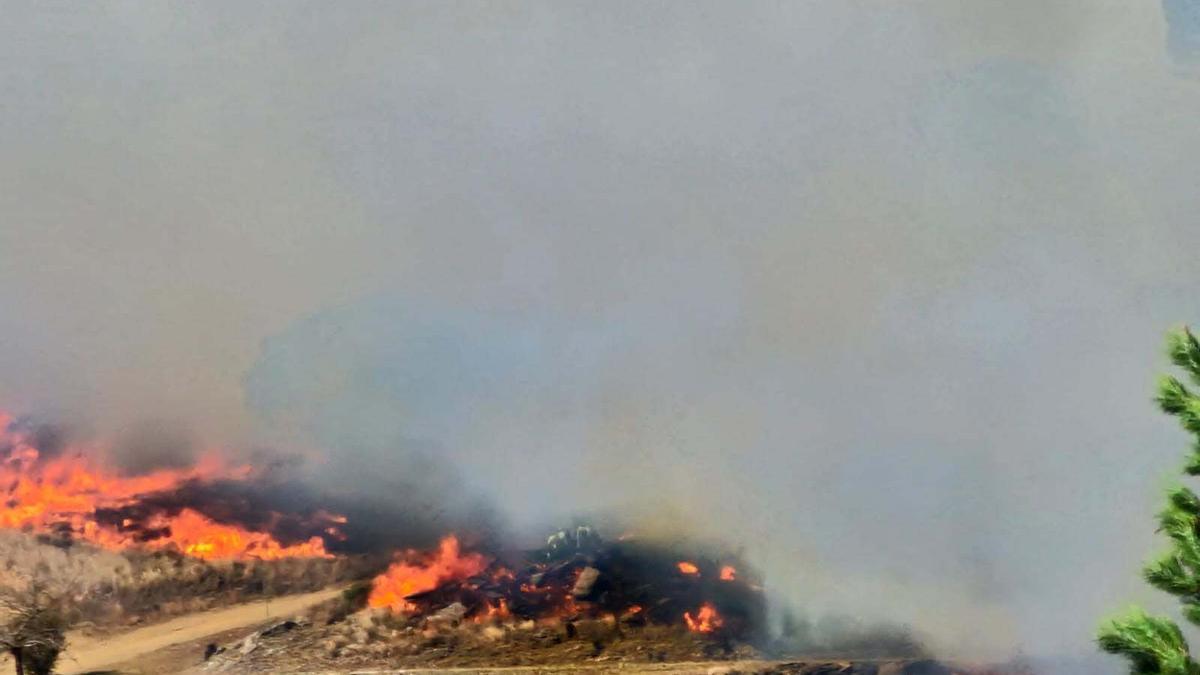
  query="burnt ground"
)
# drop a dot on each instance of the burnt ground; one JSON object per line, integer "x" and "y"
{"x": 306, "y": 649}
{"x": 367, "y": 642}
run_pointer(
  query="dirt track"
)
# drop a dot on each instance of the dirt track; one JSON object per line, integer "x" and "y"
{"x": 687, "y": 668}
{"x": 87, "y": 654}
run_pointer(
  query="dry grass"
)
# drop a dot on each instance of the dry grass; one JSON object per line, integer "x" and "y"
{"x": 119, "y": 588}
{"x": 370, "y": 639}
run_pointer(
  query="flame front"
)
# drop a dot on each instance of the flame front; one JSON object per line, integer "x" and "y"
{"x": 414, "y": 573}
{"x": 65, "y": 493}
{"x": 202, "y": 538}
{"x": 706, "y": 620}
{"x": 617, "y": 584}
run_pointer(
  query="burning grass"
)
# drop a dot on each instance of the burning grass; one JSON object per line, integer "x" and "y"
{"x": 329, "y": 640}
{"x": 72, "y": 495}
{"x": 576, "y": 577}
{"x": 578, "y": 601}
{"x": 380, "y": 639}
{"x": 141, "y": 547}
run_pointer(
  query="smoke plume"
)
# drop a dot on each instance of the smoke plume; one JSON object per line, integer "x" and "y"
{"x": 873, "y": 290}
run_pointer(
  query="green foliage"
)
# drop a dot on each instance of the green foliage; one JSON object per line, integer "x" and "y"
{"x": 1169, "y": 574}
{"x": 1192, "y": 467}
{"x": 1155, "y": 645}
{"x": 1176, "y": 399}
{"x": 1184, "y": 350}
{"x": 1183, "y": 501}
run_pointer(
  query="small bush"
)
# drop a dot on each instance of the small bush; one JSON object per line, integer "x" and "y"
{"x": 34, "y": 629}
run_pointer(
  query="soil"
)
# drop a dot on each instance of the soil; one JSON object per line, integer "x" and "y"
{"x": 90, "y": 654}
{"x": 309, "y": 635}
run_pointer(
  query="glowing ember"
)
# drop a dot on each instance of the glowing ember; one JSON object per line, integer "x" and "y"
{"x": 65, "y": 492}
{"x": 688, "y": 568}
{"x": 417, "y": 572}
{"x": 728, "y": 573}
{"x": 706, "y": 620}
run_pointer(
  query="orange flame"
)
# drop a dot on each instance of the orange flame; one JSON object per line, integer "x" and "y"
{"x": 728, "y": 573}
{"x": 67, "y": 490}
{"x": 706, "y": 620}
{"x": 417, "y": 572}
{"x": 496, "y": 612}
{"x": 202, "y": 538}
{"x": 688, "y": 568}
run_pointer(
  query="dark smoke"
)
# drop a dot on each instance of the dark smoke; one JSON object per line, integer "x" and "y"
{"x": 287, "y": 511}
{"x": 48, "y": 438}
{"x": 293, "y": 509}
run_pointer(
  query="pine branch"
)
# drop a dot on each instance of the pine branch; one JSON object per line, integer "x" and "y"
{"x": 1184, "y": 351}
{"x": 1176, "y": 399}
{"x": 1153, "y": 644}
{"x": 1184, "y": 501}
{"x": 1170, "y": 575}
{"x": 1192, "y": 467}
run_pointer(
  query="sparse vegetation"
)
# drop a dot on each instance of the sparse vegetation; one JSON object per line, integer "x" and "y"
{"x": 352, "y": 600}
{"x": 34, "y": 626}
{"x": 115, "y": 588}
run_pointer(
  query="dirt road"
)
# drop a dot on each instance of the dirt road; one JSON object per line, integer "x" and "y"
{"x": 90, "y": 654}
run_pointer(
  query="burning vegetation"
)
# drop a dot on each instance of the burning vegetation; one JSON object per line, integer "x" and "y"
{"x": 208, "y": 511}
{"x": 73, "y": 496}
{"x": 576, "y": 577}
{"x": 187, "y": 538}
{"x": 213, "y": 511}
{"x": 415, "y": 573}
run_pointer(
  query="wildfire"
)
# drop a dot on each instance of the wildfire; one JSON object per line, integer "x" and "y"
{"x": 610, "y": 583}
{"x": 202, "y": 538}
{"x": 496, "y": 612}
{"x": 416, "y": 572}
{"x": 706, "y": 620}
{"x": 67, "y": 491}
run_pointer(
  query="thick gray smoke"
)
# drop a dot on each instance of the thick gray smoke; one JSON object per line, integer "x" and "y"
{"x": 874, "y": 289}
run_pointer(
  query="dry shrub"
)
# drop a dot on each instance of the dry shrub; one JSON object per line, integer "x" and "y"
{"x": 116, "y": 587}
{"x": 34, "y": 625}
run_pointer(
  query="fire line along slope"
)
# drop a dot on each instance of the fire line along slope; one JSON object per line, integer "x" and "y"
{"x": 580, "y": 604}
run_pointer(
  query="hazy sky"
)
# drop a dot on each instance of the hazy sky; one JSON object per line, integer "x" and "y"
{"x": 876, "y": 289}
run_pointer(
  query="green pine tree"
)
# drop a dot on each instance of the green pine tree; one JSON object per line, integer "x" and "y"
{"x": 1155, "y": 644}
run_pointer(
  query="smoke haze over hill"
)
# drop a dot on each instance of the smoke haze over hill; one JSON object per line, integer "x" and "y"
{"x": 874, "y": 289}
